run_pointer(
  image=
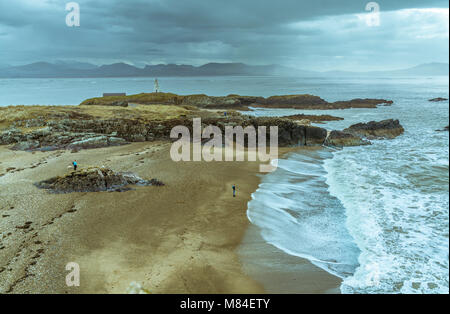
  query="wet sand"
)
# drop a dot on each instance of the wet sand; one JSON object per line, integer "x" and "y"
{"x": 279, "y": 272}
{"x": 185, "y": 237}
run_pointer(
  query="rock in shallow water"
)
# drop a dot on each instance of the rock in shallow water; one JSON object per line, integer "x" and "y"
{"x": 342, "y": 139}
{"x": 386, "y": 129}
{"x": 439, "y": 99}
{"x": 444, "y": 129}
{"x": 95, "y": 180}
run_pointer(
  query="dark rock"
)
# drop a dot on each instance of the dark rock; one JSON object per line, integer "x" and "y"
{"x": 94, "y": 180}
{"x": 119, "y": 104}
{"x": 361, "y": 103}
{"x": 387, "y": 129}
{"x": 443, "y": 130}
{"x": 76, "y": 134}
{"x": 291, "y": 133}
{"x": 237, "y": 102}
{"x": 313, "y": 118}
{"x": 315, "y": 102}
{"x": 439, "y": 99}
{"x": 315, "y": 135}
{"x": 342, "y": 139}
{"x": 26, "y": 146}
{"x": 294, "y": 101}
{"x": 204, "y": 101}
{"x": 57, "y": 136}
{"x": 12, "y": 136}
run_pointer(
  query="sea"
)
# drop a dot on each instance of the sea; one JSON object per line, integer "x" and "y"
{"x": 376, "y": 216}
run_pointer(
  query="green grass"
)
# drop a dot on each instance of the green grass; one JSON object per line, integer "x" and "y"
{"x": 144, "y": 98}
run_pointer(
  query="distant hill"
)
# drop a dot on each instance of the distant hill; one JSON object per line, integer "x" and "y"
{"x": 77, "y": 65}
{"x": 427, "y": 69}
{"x": 41, "y": 70}
{"x": 114, "y": 70}
{"x": 66, "y": 69}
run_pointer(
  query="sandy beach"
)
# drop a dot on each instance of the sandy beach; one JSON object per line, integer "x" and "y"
{"x": 189, "y": 236}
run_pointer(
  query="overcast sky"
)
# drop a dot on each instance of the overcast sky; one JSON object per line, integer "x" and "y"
{"x": 313, "y": 34}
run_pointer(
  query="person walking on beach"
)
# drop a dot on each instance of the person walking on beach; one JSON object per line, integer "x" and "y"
{"x": 234, "y": 190}
{"x": 75, "y": 165}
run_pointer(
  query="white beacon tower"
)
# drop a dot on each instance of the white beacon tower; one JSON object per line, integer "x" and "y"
{"x": 156, "y": 86}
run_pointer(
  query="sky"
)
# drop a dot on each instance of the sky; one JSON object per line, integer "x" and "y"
{"x": 316, "y": 35}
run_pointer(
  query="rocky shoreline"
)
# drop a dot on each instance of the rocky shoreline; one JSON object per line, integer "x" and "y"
{"x": 84, "y": 131}
{"x": 200, "y": 226}
{"x": 87, "y": 127}
{"x": 307, "y": 119}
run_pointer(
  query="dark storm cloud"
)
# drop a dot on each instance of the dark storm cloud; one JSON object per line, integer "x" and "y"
{"x": 309, "y": 34}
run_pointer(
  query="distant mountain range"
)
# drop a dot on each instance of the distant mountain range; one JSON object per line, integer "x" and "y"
{"x": 83, "y": 70}
{"x": 427, "y": 69}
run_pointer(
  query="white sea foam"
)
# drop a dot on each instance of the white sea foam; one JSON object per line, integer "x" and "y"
{"x": 377, "y": 216}
{"x": 396, "y": 202}
{"x": 296, "y": 213}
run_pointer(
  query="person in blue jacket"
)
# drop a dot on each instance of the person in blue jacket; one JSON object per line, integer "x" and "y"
{"x": 75, "y": 165}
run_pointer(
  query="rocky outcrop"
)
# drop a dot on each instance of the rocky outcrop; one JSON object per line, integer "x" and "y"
{"x": 290, "y": 133}
{"x": 443, "y": 130}
{"x": 315, "y": 136}
{"x": 285, "y": 101}
{"x": 119, "y": 104}
{"x": 96, "y": 142}
{"x": 204, "y": 101}
{"x": 294, "y": 101}
{"x": 343, "y": 139}
{"x": 222, "y": 102}
{"x": 313, "y": 118}
{"x": 439, "y": 99}
{"x": 48, "y": 139}
{"x": 78, "y": 134}
{"x": 94, "y": 180}
{"x": 361, "y": 103}
{"x": 248, "y": 100}
{"x": 386, "y": 129}
{"x": 238, "y": 102}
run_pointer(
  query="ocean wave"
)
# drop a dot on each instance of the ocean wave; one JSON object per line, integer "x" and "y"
{"x": 295, "y": 213}
{"x": 398, "y": 216}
